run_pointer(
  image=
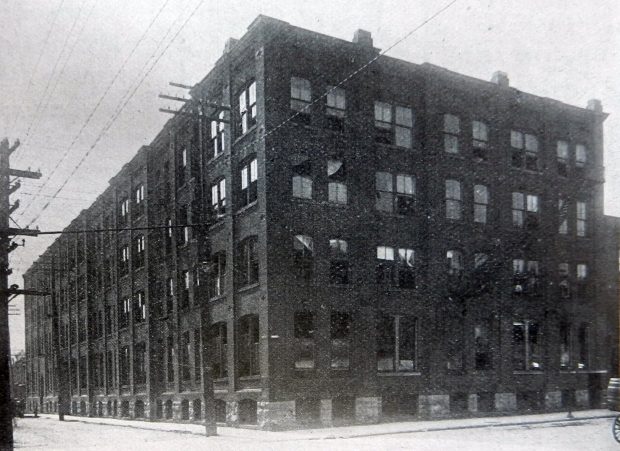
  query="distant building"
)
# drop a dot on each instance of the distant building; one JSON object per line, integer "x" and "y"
{"x": 409, "y": 242}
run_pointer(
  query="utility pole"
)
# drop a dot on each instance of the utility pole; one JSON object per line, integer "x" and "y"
{"x": 6, "y": 246}
{"x": 59, "y": 360}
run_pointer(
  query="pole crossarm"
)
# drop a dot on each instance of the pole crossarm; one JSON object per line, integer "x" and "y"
{"x": 12, "y": 231}
{"x": 196, "y": 115}
{"x": 25, "y": 292}
{"x": 22, "y": 173}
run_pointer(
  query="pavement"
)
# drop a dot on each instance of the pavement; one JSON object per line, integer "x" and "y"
{"x": 355, "y": 431}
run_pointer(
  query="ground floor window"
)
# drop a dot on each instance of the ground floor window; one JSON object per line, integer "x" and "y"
{"x": 396, "y": 343}
{"x": 527, "y": 346}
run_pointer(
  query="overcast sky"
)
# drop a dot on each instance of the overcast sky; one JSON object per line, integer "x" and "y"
{"x": 80, "y": 77}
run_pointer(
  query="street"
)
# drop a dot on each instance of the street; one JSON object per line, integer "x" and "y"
{"x": 587, "y": 433}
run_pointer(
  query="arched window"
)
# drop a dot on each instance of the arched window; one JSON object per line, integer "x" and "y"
{"x": 248, "y": 261}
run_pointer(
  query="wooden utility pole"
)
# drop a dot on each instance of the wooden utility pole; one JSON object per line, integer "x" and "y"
{"x": 6, "y": 246}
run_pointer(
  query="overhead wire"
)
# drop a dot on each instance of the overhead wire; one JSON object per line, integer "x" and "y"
{"x": 100, "y": 100}
{"x": 117, "y": 114}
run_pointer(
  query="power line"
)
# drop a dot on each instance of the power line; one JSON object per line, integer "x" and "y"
{"x": 101, "y": 98}
{"x": 117, "y": 114}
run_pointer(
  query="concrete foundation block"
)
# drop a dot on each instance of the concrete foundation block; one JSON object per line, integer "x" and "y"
{"x": 367, "y": 409}
{"x": 434, "y": 406}
{"x": 232, "y": 412}
{"x": 275, "y": 414}
{"x": 505, "y": 402}
{"x": 553, "y": 400}
{"x": 582, "y": 398}
{"x": 472, "y": 402}
{"x": 326, "y": 413}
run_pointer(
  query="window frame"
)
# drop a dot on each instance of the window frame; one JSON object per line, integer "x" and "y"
{"x": 454, "y": 200}
{"x": 451, "y": 132}
{"x": 247, "y": 107}
{"x": 249, "y": 182}
{"x": 386, "y": 339}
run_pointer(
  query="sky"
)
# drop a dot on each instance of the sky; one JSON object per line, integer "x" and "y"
{"x": 80, "y": 79}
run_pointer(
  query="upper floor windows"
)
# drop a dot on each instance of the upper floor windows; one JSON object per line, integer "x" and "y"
{"x": 139, "y": 198}
{"x": 563, "y": 216}
{"x": 580, "y": 156}
{"x": 562, "y": 154}
{"x": 303, "y": 324}
{"x": 395, "y": 268}
{"x": 140, "y": 251}
{"x": 396, "y": 343}
{"x": 248, "y": 261}
{"x": 303, "y": 248}
{"x": 336, "y": 107}
{"x": 247, "y": 107}
{"x": 480, "y": 142}
{"x": 301, "y": 96}
{"x": 124, "y": 209}
{"x": 217, "y": 274}
{"x": 124, "y": 260}
{"x": 394, "y": 124}
{"x": 140, "y": 307}
{"x": 249, "y": 182}
{"x": 525, "y": 210}
{"x": 481, "y": 203}
{"x": 524, "y": 150}
{"x": 340, "y": 332}
{"x": 455, "y": 263}
{"x": 337, "y": 188}
{"x": 526, "y": 275}
{"x": 302, "y": 180}
{"x": 454, "y": 200}
{"x": 581, "y": 225}
{"x": 218, "y": 198}
{"x": 582, "y": 271}
{"x": 451, "y": 130}
{"x": 218, "y": 136}
{"x": 395, "y": 193}
{"x": 338, "y": 261}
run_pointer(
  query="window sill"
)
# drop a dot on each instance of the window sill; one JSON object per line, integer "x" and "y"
{"x": 219, "y": 297}
{"x": 253, "y": 377}
{"x": 457, "y": 155}
{"x": 532, "y": 372}
{"x": 216, "y": 158}
{"x": 527, "y": 171}
{"x": 248, "y": 287}
{"x": 247, "y": 207}
{"x": 399, "y": 373}
{"x": 243, "y": 136}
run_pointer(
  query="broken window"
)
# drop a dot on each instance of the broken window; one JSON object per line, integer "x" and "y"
{"x": 480, "y": 139}
{"x": 562, "y": 158}
{"x": 337, "y": 187}
{"x": 249, "y": 182}
{"x": 451, "y": 130}
{"x": 304, "y": 336}
{"x": 396, "y": 343}
{"x": 247, "y": 107}
{"x": 454, "y": 204}
{"x": 582, "y": 271}
{"x": 581, "y": 219}
{"x": 338, "y": 261}
{"x": 248, "y": 346}
{"x": 217, "y": 274}
{"x": 219, "y": 341}
{"x": 218, "y": 198}
{"x": 301, "y": 96}
{"x": 395, "y": 193}
{"x": 336, "y": 107}
{"x": 340, "y": 340}
{"x": 527, "y": 346}
{"x": 393, "y": 125}
{"x": 303, "y": 249}
{"x": 248, "y": 261}
{"x": 524, "y": 150}
{"x": 481, "y": 203}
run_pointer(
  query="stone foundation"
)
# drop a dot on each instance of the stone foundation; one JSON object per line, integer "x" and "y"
{"x": 505, "y": 402}
{"x": 553, "y": 400}
{"x": 367, "y": 410}
{"x": 472, "y": 402}
{"x": 582, "y": 398}
{"x": 434, "y": 406}
{"x": 326, "y": 413}
{"x": 275, "y": 415}
{"x": 232, "y": 413}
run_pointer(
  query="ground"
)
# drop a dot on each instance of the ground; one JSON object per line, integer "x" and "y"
{"x": 534, "y": 432}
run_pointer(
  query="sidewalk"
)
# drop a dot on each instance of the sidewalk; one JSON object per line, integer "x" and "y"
{"x": 352, "y": 431}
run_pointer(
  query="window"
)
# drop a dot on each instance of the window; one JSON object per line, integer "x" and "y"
{"x": 219, "y": 339}
{"x": 247, "y": 107}
{"x": 336, "y": 107}
{"x": 524, "y": 150}
{"x": 454, "y": 204}
{"x": 124, "y": 263}
{"x": 581, "y": 219}
{"x": 183, "y": 237}
{"x": 109, "y": 367}
{"x": 184, "y": 294}
{"x": 563, "y": 216}
{"x": 394, "y": 128}
{"x": 481, "y": 139}
{"x": 140, "y": 307}
{"x": 139, "y": 197}
{"x": 481, "y": 203}
{"x": 248, "y": 261}
{"x": 303, "y": 249}
{"x": 583, "y": 354}
{"x": 249, "y": 177}
{"x": 563, "y": 272}
{"x": 340, "y": 332}
{"x": 182, "y": 165}
{"x": 395, "y": 268}
{"x": 338, "y": 261}
{"x": 304, "y": 337}
{"x": 582, "y": 272}
{"x": 562, "y": 151}
{"x": 139, "y": 351}
{"x": 169, "y": 295}
{"x": 218, "y": 134}
{"x": 184, "y": 351}
{"x": 302, "y": 180}
{"x": 337, "y": 187}
{"x": 396, "y": 343}
{"x": 451, "y": 130}
{"x": 525, "y": 210}
{"x": 526, "y": 275}
{"x": 454, "y": 340}
{"x": 482, "y": 346}
{"x": 527, "y": 346}
{"x": 124, "y": 311}
{"x": 565, "y": 346}
{"x": 124, "y": 365}
{"x": 140, "y": 252}
{"x": 170, "y": 359}
{"x": 197, "y": 357}
{"x": 168, "y": 232}
{"x": 455, "y": 266}
{"x": 395, "y": 193}
{"x": 580, "y": 156}
{"x": 301, "y": 95}
{"x": 124, "y": 210}
{"x": 217, "y": 274}
{"x": 248, "y": 346}
{"x": 218, "y": 198}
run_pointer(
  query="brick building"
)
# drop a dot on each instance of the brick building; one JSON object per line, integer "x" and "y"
{"x": 411, "y": 241}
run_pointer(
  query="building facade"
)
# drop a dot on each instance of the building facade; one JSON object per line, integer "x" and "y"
{"x": 336, "y": 245}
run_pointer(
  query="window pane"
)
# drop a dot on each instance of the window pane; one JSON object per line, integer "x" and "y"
{"x": 405, "y": 184}
{"x": 580, "y": 155}
{"x": 451, "y": 124}
{"x": 300, "y": 89}
{"x": 479, "y": 131}
{"x": 385, "y": 343}
{"x": 403, "y": 137}
{"x": 404, "y": 116}
{"x": 385, "y": 253}
{"x": 253, "y": 171}
{"x": 451, "y": 143}
{"x": 384, "y": 181}
{"x": 302, "y": 187}
{"x": 532, "y": 203}
{"x": 518, "y": 201}
{"x": 481, "y": 194}
{"x": 581, "y": 210}
{"x": 516, "y": 139}
{"x": 562, "y": 150}
{"x": 531, "y": 143}
{"x": 406, "y": 348}
{"x": 336, "y": 98}
{"x": 383, "y": 112}
{"x": 453, "y": 189}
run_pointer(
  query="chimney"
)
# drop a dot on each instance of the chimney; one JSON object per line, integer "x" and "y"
{"x": 362, "y": 37}
{"x": 595, "y": 105}
{"x": 500, "y": 79}
{"x": 230, "y": 43}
